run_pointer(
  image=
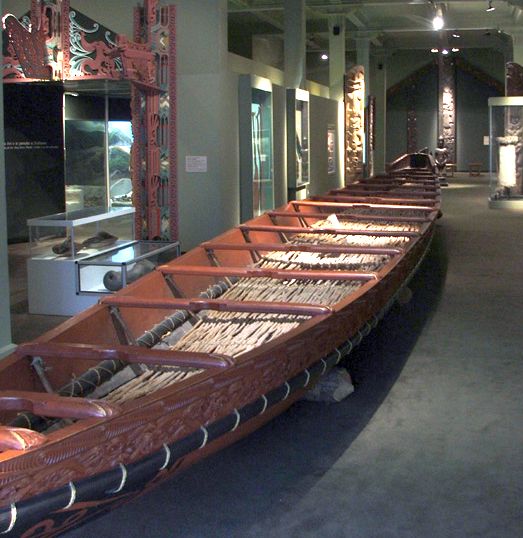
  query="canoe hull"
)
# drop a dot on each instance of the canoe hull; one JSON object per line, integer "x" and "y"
{"x": 100, "y": 464}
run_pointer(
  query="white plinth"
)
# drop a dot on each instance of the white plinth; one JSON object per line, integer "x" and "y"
{"x": 52, "y": 288}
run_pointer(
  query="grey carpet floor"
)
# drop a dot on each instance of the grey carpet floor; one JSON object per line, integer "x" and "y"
{"x": 430, "y": 443}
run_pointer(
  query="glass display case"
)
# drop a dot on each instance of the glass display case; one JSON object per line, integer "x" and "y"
{"x": 113, "y": 270}
{"x": 256, "y": 151}
{"x": 297, "y": 142}
{"x": 80, "y": 233}
{"x": 506, "y": 152}
{"x": 97, "y": 141}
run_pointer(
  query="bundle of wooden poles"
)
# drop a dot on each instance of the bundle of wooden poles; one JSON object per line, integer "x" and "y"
{"x": 234, "y": 333}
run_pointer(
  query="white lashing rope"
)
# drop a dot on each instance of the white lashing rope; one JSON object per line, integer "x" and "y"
{"x": 12, "y": 522}
{"x": 205, "y": 436}
{"x": 167, "y": 457}
{"x": 123, "y": 480}
{"x": 237, "y": 419}
{"x": 72, "y": 498}
{"x": 265, "y": 404}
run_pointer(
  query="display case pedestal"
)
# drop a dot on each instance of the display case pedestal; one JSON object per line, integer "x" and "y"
{"x": 51, "y": 288}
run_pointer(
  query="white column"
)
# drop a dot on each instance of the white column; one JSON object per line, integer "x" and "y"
{"x": 207, "y": 122}
{"x": 363, "y": 58}
{"x": 517, "y": 47}
{"x": 336, "y": 56}
{"x": 5, "y": 315}
{"x": 294, "y": 47}
{"x": 268, "y": 50}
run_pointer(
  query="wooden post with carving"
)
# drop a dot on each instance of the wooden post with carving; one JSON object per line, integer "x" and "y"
{"x": 354, "y": 97}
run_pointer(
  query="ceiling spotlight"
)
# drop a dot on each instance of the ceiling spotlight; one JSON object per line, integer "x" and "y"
{"x": 456, "y": 35}
{"x": 454, "y": 49}
{"x": 490, "y": 7}
{"x": 445, "y": 52}
{"x": 434, "y": 50}
{"x": 437, "y": 22}
{"x": 324, "y": 56}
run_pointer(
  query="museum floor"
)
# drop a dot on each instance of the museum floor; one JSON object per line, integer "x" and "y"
{"x": 429, "y": 445}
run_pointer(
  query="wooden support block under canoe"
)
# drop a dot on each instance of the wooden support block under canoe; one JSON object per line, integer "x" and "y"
{"x": 221, "y": 305}
{"x": 130, "y": 354}
{"x": 260, "y": 272}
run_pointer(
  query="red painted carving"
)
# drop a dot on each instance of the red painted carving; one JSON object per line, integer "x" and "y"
{"x": 138, "y": 62}
{"x": 173, "y": 180}
{"x": 29, "y": 48}
{"x": 66, "y": 40}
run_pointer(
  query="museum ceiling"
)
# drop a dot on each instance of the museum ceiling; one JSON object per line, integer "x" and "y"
{"x": 390, "y": 24}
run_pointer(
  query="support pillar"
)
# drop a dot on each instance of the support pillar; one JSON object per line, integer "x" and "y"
{"x": 379, "y": 81}
{"x": 268, "y": 50}
{"x": 6, "y": 345}
{"x": 207, "y": 146}
{"x": 294, "y": 47}
{"x": 336, "y": 56}
{"x": 363, "y": 58}
{"x": 517, "y": 47}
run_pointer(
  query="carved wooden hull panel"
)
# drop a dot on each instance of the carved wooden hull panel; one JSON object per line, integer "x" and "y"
{"x": 88, "y": 449}
{"x": 354, "y": 97}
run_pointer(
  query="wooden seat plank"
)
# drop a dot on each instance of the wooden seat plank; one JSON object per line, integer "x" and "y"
{"x": 197, "y": 305}
{"x": 130, "y": 354}
{"x": 261, "y": 272}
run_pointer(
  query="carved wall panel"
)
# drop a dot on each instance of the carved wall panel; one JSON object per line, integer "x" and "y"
{"x": 371, "y": 133}
{"x": 354, "y": 97}
{"x": 514, "y": 75}
{"x": 447, "y": 104}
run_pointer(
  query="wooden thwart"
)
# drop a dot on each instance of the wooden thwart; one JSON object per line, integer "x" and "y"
{"x": 319, "y": 202}
{"x": 423, "y": 204}
{"x": 246, "y": 228}
{"x": 130, "y": 354}
{"x": 260, "y": 272}
{"x": 345, "y": 216}
{"x": 288, "y": 247}
{"x": 381, "y": 198}
{"x": 52, "y": 405}
{"x": 197, "y": 305}
{"x": 19, "y": 438}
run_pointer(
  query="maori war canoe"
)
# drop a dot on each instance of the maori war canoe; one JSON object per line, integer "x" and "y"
{"x": 203, "y": 350}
